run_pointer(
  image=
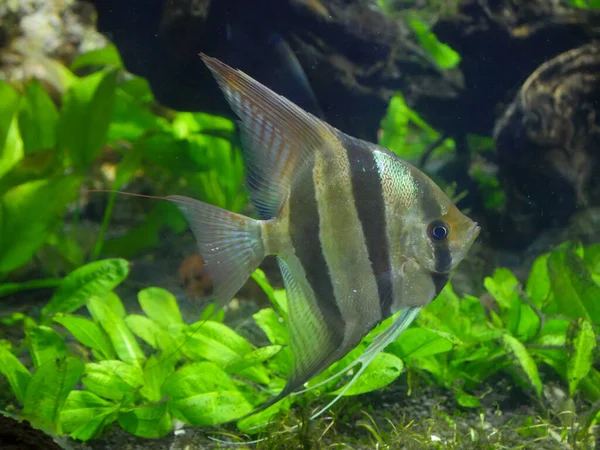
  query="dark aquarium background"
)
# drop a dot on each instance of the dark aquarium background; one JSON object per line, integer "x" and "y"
{"x": 107, "y": 340}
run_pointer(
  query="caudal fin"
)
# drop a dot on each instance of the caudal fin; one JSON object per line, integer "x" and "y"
{"x": 230, "y": 244}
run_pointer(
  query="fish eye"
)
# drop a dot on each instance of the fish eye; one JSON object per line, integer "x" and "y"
{"x": 438, "y": 230}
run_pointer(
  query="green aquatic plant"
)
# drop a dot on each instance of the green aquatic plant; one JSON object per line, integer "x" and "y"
{"x": 420, "y": 19}
{"x": 552, "y": 322}
{"x": 104, "y": 129}
{"x": 405, "y": 133}
{"x": 144, "y": 371}
{"x": 584, "y": 4}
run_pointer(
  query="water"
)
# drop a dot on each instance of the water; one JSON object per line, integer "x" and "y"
{"x": 102, "y": 294}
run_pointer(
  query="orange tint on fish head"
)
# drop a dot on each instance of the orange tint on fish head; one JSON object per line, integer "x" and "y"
{"x": 461, "y": 228}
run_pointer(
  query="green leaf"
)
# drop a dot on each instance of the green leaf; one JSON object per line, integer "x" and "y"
{"x": 161, "y": 306}
{"x": 29, "y": 211}
{"x": 106, "y": 56}
{"x": 48, "y": 390}
{"x": 149, "y": 331}
{"x": 132, "y": 120}
{"x": 198, "y": 346}
{"x": 592, "y": 258}
{"x": 406, "y": 134}
{"x": 112, "y": 302}
{"x": 272, "y": 325}
{"x": 11, "y": 149}
{"x": 523, "y": 322}
{"x": 538, "y": 282}
{"x": 575, "y": 292}
{"x": 112, "y": 379}
{"x": 94, "y": 279}
{"x": 84, "y": 415}
{"x": 166, "y": 151}
{"x": 257, "y": 422}
{"x": 45, "y": 345}
{"x": 523, "y": 361}
{"x": 129, "y": 165}
{"x": 146, "y": 235}
{"x": 253, "y": 358}
{"x": 138, "y": 87}
{"x": 553, "y": 333}
{"x": 209, "y": 313}
{"x": 215, "y": 342}
{"x": 156, "y": 371}
{"x": 502, "y": 286}
{"x": 38, "y": 118}
{"x": 151, "y": 421}
{"x": 8, "y": 107}
{"x": 384, "y": 369}
{"x": 443, "y": 54}
{"x": 222, "y": 334}
{"x": 86, "y": 114}
{"x": 67, "y": 248}
{"x": 40, "y": 283}
{"x": 17, "y": 374}
{"x": 88, "y": 333}
{"x": 581, "y": 342}
{"x": 203, "y": 394}
{"x": 419, "y": 342}
{"x": 119, "y": 334}
{"x": 466, "y": 400}
{"x": 261, "y": 279}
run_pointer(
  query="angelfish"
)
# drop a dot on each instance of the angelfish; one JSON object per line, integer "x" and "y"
{"x": 359, "y": 234}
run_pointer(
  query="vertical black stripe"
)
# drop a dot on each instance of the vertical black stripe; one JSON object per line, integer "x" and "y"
{"x": 441, "y": 250}
{"x": 304, "y": 232}
{"x": 370, "y": 205}
{"x": 443, "y": 258}
{"x": 439, "y": 281}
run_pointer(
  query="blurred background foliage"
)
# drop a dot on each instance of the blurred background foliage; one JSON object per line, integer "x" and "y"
{"x": 102, "y": 131}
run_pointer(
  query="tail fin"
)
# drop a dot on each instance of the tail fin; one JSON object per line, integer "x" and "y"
{"x": 230, "y": 244}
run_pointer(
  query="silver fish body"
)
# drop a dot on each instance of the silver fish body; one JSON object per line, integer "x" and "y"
{"x": 359, "y": 233}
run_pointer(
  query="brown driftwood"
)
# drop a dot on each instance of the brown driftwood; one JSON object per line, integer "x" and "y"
{"x": 355, "y": 58}
{"x": 548, "y": 141}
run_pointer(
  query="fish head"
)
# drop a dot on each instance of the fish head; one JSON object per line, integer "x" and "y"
{"x": 438, "y": 238}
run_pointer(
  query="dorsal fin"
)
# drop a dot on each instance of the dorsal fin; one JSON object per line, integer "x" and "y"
{"x": 278, "y": 137}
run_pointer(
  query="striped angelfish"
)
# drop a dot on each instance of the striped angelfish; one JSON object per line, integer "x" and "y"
{"x": 359, "y": 234}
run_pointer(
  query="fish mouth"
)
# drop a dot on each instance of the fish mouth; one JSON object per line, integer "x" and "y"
{"x": 474, "y": 232}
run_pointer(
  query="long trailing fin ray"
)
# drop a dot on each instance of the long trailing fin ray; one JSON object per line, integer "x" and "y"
{"x": 230, "y": 244}
{"x": 314, "y": 345}
{"x": 378, "y": 344}
{"x": 278, "y": 137}
{"x": 380, "y": 338}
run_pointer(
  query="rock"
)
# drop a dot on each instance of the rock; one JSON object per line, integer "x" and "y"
{"x": 35, "y": 33}
{"x": 20, "y": 435}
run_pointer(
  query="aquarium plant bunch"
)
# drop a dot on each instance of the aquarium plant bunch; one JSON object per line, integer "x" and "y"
{"x": 86, "y": 363}
{"x": 100, "y": 129}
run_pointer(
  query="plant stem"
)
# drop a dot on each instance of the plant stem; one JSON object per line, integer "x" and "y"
{"x": 105, "y": 222}
{"x": 11, "y": 288}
